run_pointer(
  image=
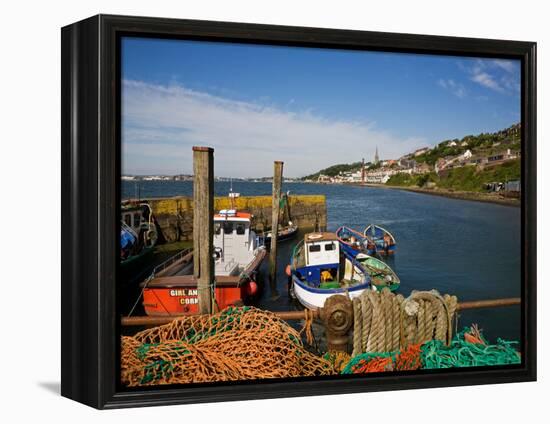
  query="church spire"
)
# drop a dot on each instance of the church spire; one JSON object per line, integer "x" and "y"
{"x": 376, "y": 159}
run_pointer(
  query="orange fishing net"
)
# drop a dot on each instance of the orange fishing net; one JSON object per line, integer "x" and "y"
{"x": 234, "y": 344}
{"x": 374, "y": 365}
{"x": 409, "y": 358}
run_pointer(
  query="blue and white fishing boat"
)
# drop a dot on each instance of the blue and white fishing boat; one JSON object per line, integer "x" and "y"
{"x": 320, "y": 268}
{"x": 382, "y": 238}
{"x": 354, "y": 242}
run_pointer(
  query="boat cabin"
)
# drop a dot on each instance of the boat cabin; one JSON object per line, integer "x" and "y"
{"x": 234, "y": 241}
{"x": 135, "y": 215}
{"x": 322, "y": 258}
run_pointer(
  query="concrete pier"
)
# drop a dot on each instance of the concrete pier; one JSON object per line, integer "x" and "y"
{"x": 175, "y": 214}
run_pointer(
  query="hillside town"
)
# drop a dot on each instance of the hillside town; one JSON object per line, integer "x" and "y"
{"x": 482, "y": 151}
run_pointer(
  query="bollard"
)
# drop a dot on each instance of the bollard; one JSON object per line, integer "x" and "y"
{"x": 337, "y": 316}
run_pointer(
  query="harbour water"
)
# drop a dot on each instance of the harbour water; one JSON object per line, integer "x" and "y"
{"x": 466, "y": 248}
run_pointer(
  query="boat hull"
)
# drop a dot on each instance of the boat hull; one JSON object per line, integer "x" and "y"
{"x": 376, "y": 268}
{"x": 354, "y": 249}
{"x": 382, "y": 248}
{"x": 178, "y": 294}
{"x": 182, "y": 300}
{"x": 282, "y": 236}
{"x": 132, "y": 268}
{"x": 314, "y": 298}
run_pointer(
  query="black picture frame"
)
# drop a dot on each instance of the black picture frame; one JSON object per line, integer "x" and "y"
{"x": 90, "y": 138}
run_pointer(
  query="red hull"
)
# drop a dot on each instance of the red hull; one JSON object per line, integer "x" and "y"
{"x": 166, "y": 301}
{"x": 168, "y": 295}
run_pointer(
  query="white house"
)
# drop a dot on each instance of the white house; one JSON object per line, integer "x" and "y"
{"x": 467, "y": 154}
{"x": 451, "y": 144}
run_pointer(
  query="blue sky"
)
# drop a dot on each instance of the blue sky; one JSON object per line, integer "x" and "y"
{"x": 309, "y": 107}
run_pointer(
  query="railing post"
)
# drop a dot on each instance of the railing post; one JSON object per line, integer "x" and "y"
{"x": 203, "y": 225}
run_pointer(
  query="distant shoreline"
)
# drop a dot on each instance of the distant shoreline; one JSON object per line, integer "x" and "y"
{"x": 461, "y": 195}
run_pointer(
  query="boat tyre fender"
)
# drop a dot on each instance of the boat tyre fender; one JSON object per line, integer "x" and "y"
{"x": 151, "y": 237}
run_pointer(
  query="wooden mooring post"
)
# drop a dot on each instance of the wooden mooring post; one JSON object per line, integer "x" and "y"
{"x": 203, "y": 226}
{"x": 275, "y": 213}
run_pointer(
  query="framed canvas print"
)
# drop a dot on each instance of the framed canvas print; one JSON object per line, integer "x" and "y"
{"x": 255, "y": 211}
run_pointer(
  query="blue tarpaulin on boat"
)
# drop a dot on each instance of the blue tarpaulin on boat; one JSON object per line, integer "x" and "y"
{"x": 127, "y": 239}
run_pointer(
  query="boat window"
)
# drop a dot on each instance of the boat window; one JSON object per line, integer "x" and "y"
{"x": 137, "y": 219}
{"x": 314, "y": 247}
{"x": 128, "y": 220}
{"x": 227, "y": 227}
{"x": 240, "y": 229}
{"x": 217, "y": 228}
{"x": 329, "y": 246}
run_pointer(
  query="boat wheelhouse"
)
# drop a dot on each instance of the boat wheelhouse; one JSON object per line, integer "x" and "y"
{"x": 235, "y": 243}
{"x": 137, "y": 229}
{"x": 320, "y": 268}
{"x": 138, "y": 236}
{"x": 238, "y": 254}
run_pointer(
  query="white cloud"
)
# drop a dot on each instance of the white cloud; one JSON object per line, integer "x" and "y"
{"x": 161, "y": 124}
{"x": 499, "y": 75}
{"x": 508, "y": 65}
{"x": 487, "y": 80}
{"x": 456, "y": 88}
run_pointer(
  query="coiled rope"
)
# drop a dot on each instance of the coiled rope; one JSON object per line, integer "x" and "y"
{"x": 386, "y": 322}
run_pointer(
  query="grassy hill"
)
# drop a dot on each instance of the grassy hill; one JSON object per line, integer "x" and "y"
{"x": 466, "y": 178}
{"x": 482, "y": 144}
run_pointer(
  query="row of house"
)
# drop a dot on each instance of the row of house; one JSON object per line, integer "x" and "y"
{"x": 407, "y": 165}
{"x": 469, "y": 159}
{"x": 379, "y": 175}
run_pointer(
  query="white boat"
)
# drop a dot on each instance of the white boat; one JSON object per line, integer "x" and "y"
{"x": 320, "y": 269}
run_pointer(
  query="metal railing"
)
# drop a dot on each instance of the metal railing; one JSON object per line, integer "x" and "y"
{"x": 170, "y": 261}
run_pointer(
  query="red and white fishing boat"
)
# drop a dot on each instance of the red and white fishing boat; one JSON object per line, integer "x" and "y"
{"x": 238, "y": 253}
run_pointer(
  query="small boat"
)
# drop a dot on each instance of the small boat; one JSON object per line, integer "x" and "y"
{"x": 381, "y": 274}
{"x": 354, "y": 242}
{"x": 320, "y": 269}
{"x": 382, "y": 238}
{"x": 285, "y": 233}
{"x": 238, "y": 253}
{"x": 138, "y": 236}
